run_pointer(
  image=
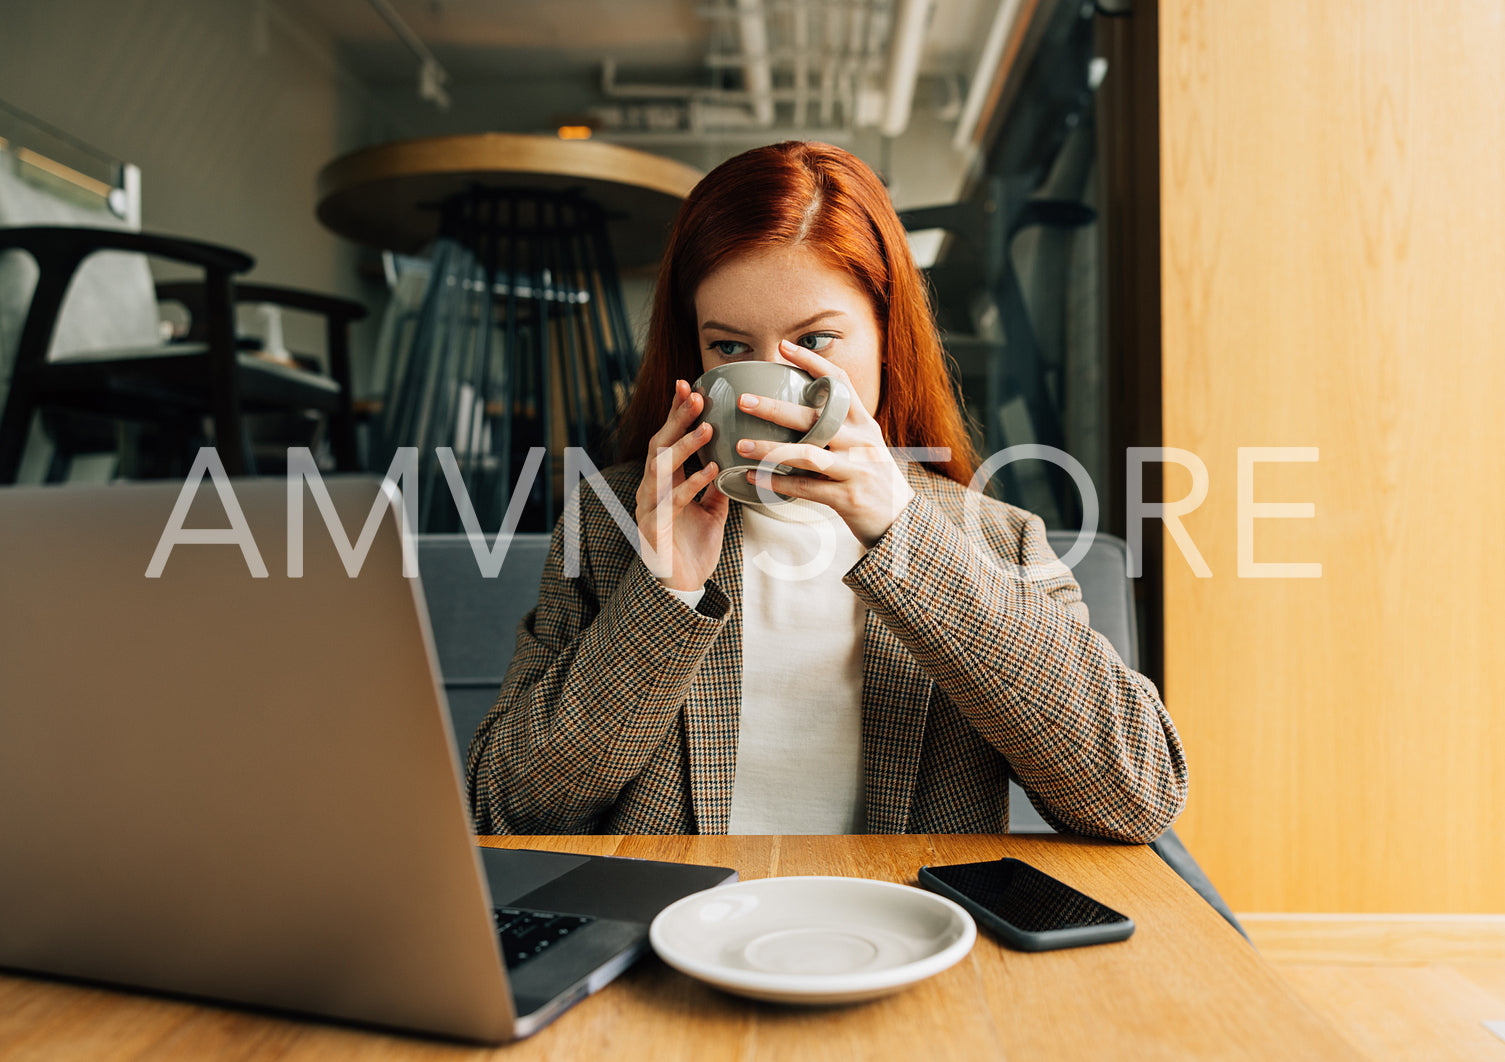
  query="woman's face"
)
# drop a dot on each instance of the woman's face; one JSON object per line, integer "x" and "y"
{"x": 752, "y": 301}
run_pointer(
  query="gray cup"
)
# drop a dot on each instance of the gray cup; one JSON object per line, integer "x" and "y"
{"x": 721, "y": 388}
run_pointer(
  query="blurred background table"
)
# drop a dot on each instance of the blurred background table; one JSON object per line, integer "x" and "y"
{"x": 508, "y": 332}
{"x": 387, "y": 196}
{"x": 1185, "y": 986}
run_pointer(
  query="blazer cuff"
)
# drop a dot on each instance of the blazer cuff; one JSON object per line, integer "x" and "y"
{"x": 690, "y": 598}
{"x": 658, "y": 626}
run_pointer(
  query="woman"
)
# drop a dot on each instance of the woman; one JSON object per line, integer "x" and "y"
{"x": 865, "y": 658}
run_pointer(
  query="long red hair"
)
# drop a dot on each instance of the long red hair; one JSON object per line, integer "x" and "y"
{"x": 831, "y": 202}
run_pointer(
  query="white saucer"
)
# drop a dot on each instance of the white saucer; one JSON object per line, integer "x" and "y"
{"x": 812, "y": 939}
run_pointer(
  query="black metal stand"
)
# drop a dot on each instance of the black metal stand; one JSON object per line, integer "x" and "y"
{"x": 522, "y": 341}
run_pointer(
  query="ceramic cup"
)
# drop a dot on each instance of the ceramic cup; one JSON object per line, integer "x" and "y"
{"x": 721, "y": 388}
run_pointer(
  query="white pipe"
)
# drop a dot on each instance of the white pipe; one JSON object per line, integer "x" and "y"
{"x": 987, "y": 70}
{"x": 130, "y": 182}
{"x": 757, "y": 67}
{"x": 801, "y": 61}
{"x": 685, "y": 93}
{"x": 705, "y": 115}
{"x": 748, "y": 134}
{"x": 904, "y": 64}
{"x": 431, "y": 76}
{"x": 879, "y": 17}
{"x": 609, "y": 86}
{"x": 852, "y": 68}
{"x": 830, "y": 37}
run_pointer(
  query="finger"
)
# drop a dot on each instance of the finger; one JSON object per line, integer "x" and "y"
{"x": 665, "y": 476}
{"x": 816, "y": 365}
{"x": 772, "y": 486}
{"x": 770, "y": 455}
{"x": 666, "y": 466}
{"x": 659, "y": 478}
{"x": 685, "y": 493}
{"x": 663, "y": 437}
{"x": 680, "y": 452}
{"x": 687, "y": 405}
{"x": 810, "y": 361}
{"x": 715, "y": 502}
{"x": 775, "y": 411}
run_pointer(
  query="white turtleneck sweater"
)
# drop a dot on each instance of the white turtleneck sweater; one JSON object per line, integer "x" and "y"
{"x": 799, "y": 738}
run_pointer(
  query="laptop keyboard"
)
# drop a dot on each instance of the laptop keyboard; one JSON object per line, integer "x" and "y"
{"x": 528, "y": 933}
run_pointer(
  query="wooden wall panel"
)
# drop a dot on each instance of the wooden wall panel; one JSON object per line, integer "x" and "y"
{"x": 1333, "y": 249}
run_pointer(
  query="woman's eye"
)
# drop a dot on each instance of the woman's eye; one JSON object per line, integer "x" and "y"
{"x": 816, "y": 340}
{"x": 729, "y": 348}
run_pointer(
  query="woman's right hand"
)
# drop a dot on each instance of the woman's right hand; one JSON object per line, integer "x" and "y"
{"x": 683, "y": 532}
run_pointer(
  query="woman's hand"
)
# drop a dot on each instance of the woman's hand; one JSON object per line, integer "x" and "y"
{"x": 684, "y": 534}
{"x": 857, "y": 476}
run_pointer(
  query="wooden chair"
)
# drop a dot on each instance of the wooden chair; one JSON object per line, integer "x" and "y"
{"x": 175, "y": 386}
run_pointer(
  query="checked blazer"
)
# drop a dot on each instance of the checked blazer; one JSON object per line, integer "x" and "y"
{"x": 619, "y": 711}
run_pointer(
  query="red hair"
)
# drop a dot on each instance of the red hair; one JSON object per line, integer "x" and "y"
{"x": 829, "y": 201}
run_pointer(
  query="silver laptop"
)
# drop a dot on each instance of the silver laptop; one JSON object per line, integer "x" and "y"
{"x": 245, "y": 787}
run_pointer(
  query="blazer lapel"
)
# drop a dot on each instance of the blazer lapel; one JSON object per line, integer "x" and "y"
{"x": 715, "y": 702}
{"x": 895, "y": 702}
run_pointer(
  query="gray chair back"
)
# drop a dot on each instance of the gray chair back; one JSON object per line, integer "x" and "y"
{"x": 1108, "y": 594}
{"x": 475, "y": 619}
{"x": 1106, "y": 589}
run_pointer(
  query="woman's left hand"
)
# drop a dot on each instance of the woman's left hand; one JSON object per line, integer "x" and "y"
{"x": 856, "y": 475}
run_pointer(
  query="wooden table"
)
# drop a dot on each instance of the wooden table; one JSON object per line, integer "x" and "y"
{"x": 547, "y": 335}
{"x": 1185, "y": 986}
{"x": 386, "y": 196}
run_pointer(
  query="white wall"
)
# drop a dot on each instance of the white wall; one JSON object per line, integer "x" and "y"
{"x": 229, "y": 107}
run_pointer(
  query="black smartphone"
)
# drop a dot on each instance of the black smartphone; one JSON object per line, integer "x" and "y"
{"x": 1027, "y": 908}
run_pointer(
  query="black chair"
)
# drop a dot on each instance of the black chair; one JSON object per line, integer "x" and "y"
{"x": 174, "y": 386}
{"x": 1109, "y": 595}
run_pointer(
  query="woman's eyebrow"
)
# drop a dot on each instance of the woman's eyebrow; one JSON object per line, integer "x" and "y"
{"x": 807, "y": 322}
{"x": 717, "y": 326}
{"x": 707, "y": 326}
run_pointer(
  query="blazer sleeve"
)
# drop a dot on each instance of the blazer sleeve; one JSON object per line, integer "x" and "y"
{"x": 594, "y": 688}
{"x": 1003, "y": 632}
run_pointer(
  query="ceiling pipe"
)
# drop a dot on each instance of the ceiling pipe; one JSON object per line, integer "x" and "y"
{"x": 851, "y": 40}
{"x": 431, "y": 76}
{"x": 757, "y": 67}
{"x": 609, "y": 86}
{"x": 801, "y": 61}
{"x": 907, "y": 48}
{"x": 746, "y": 134}
{"x": 857, "y": 39}
{"x": 682, "y": 93}
{"x": 830, "y": 39}
{"x": 987, "y": 70}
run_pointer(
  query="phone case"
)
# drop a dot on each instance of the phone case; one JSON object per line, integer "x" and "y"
{"x": 1025, "y": 940}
